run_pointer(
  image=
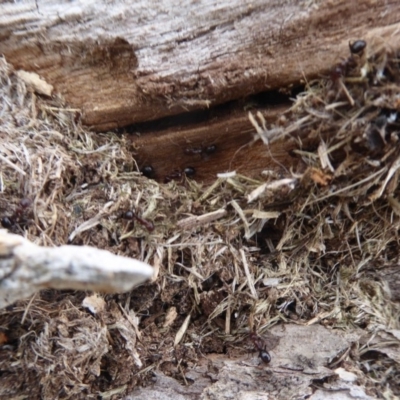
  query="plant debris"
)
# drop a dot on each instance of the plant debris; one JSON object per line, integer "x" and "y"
{"x": 310, "y": 246}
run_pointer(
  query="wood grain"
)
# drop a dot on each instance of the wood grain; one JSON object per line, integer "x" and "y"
{"x": 232, "y": 135}
{"x": 123, "y": 62}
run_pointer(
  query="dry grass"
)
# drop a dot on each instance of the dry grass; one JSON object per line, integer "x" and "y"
{"x": 311, "y": 246}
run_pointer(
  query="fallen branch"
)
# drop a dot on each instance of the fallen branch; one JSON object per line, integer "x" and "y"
{"x": 26, "y": 268}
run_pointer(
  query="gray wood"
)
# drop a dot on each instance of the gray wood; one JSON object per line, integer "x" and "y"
{"x": 26, "y": 268}
{"x": 130, "y": 61}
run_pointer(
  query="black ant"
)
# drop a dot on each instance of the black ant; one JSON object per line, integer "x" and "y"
{"x": 202, "y": 151}
{"x": 131, "y": 215}
{"x": 189, "y": 171}
{"x": 210, "y": 149}
{"x": 355, "y": 61}
{"x": 19, "y": 216}
{"x": 352, "y": 66}
{"x": 260, "y": 346}
{"x": 148, "y": 171}
{"x": 176, "y": 175}
{"x": 358, "y": 46}
{"x": 191, "y": 151}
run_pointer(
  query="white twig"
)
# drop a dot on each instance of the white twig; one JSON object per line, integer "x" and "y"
{"x": 249, "y": 276}
{"x": 26, "y": 268}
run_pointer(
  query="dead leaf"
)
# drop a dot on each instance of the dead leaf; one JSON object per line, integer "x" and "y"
{"x": 182, "y": 330}
{"x": 94, "y": 303}
{"x": 320, "y": 177}
{"x": 33, "y": 80}
{"x": 170, "y": 317}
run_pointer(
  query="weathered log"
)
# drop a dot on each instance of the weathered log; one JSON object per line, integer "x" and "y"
{"x": 136, "y": 61}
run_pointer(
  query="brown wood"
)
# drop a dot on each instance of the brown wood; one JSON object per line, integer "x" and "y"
{"x": 235, "y": 149}
{"x": 125, "y": 62}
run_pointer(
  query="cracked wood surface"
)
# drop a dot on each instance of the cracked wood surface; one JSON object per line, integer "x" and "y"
{"x": 125, "y": 62}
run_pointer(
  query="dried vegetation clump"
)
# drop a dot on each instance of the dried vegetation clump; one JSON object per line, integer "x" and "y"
{"x": 318, "y": 244}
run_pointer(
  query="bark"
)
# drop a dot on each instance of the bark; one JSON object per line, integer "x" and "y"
{"x": 122, "y": 62}
{"x": 301, "y": 359}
